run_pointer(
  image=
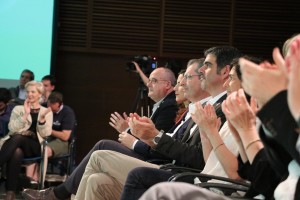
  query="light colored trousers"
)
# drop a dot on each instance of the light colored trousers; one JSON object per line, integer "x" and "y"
{"x": 105, "y": 175}
{"x": 179, "y": 191}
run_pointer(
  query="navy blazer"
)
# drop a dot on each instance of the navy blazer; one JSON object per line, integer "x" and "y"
{"x": 163, "y": 118}
{"x": 278, "y": 120}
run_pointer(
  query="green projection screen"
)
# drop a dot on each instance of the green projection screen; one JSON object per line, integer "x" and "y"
{"x": 26, "y": 31}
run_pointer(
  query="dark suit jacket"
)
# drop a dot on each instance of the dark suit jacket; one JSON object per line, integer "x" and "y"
{"x": 280, "y": 147}
{"x": 278, "y": 120}
{"x": 163, "y": 118}
{"x": 187, "y": 151}
{"x": 14, "y": 92}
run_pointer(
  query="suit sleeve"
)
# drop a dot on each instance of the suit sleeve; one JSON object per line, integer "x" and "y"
{"x": 186, "y": 154}
{"x": 163, "y": 121}
{"x": 165, "y": 117}
{"x": 263, "y": 178}
{"x": 278, "y": 120}
{"x": 142, "y": 148}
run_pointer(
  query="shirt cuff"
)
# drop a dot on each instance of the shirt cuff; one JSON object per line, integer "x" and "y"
{"x": 127, "y": 130}
{"x": 42, "y": 123}
{"x": 298, "y": 144}
{"x": 134, "y": 143}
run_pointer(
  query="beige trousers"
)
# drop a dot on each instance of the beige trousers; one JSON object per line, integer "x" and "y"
{"x": 105, "y": 175}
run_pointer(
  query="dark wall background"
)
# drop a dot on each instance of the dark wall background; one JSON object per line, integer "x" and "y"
{"x": 95, "y": 38}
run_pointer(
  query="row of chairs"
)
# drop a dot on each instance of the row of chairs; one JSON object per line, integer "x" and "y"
{"x": 64, "y": 163}
{"x": 226, "y": 185}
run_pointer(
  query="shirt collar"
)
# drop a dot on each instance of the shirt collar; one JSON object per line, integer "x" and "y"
{"x": 213, "y": 100}
{"x": 60, "y": 108}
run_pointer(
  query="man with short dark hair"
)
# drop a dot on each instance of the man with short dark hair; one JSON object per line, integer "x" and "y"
{"x": 18, "y": 94}
{"x": 63, "y": 125}
{"x": 49, "y": 82}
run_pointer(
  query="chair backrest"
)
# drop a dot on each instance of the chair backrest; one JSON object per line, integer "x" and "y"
{"x": 70, "y": 156}
{"x": 42, "y": 164}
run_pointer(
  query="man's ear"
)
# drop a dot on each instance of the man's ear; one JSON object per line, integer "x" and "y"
{"x": 169, "y": 85}
{"x": 225, "y": 72}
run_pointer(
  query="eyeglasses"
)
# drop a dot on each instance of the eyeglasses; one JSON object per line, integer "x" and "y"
{"x": 154, "y": 80}
{"x": 190, "y": 76}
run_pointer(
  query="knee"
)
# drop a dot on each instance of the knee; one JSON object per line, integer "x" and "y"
{"x": 105, "y": 145}
{"x": 94, "y": 181}
{"x": 19, "y": 153}
{"x": 100, "y": 145}
{"x": 97, "y": 156}
{"x": 17, "y": 138}
{"x": 133, "y": 177}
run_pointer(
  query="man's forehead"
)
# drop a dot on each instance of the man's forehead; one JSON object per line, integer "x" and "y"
{"x": 156, "y": 73}
{"x": 25, "y": 74}
{"x": 45, "y": 82}
{"x": 190, "y": 68}
{"x": 210, "y": 58}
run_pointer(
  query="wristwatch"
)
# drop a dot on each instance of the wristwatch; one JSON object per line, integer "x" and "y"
{"x": 157, "y": 138}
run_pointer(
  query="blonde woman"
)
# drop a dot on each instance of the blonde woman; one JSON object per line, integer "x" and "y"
{"x": 28, "y": 125}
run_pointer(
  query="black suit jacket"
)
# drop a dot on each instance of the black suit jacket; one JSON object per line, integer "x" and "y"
{"x": 14, "y": 92}
{"x": 163, "y": 118}
{"x": 278, "y": 120}
{"x": 279, "y": 146}
{"x": 188, "y": 150}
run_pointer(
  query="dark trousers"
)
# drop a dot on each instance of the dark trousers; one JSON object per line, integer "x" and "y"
{"x": 72, "y": 182}
{"x": 141, "y": 179}
{"x": 12, "y": 153}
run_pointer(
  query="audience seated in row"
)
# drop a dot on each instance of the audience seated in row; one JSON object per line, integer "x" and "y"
{"x": 274, "y": 153}
{"x": 268, "y": 157}
{"x": 29, "y": 124}
{"x": 170, "y": 147}
{"x": 160, "y": 87}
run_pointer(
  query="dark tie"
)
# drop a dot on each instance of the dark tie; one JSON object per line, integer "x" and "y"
{"x": 187, "y": 131}
{"x": 180, "y": 132}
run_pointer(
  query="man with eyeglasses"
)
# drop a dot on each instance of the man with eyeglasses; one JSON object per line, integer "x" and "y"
{"x": 106, "y": 179}
{"x": 18, "y": 94}
{"x": 211, "y": 77}
{"x": 160, "y": 86}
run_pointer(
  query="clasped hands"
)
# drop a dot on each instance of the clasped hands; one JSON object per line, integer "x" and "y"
{"x": 143, "y": 128}
{"x": 206, "y": 119}
{"x": 140, "y": 127}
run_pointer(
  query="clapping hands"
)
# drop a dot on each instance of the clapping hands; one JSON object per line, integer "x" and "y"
{"x": 118, "y": 122}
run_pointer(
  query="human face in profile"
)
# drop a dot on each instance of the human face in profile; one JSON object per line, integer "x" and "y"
{"x": 191, "y": 83}
{"x": 233, "y": 83}
{"x": 47, "y": 86}
{"x": 157, "y": 85}
{"x": 179, "y": 90}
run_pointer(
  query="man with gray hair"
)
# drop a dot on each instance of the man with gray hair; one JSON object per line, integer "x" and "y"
{"x": 160, "y": 89}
